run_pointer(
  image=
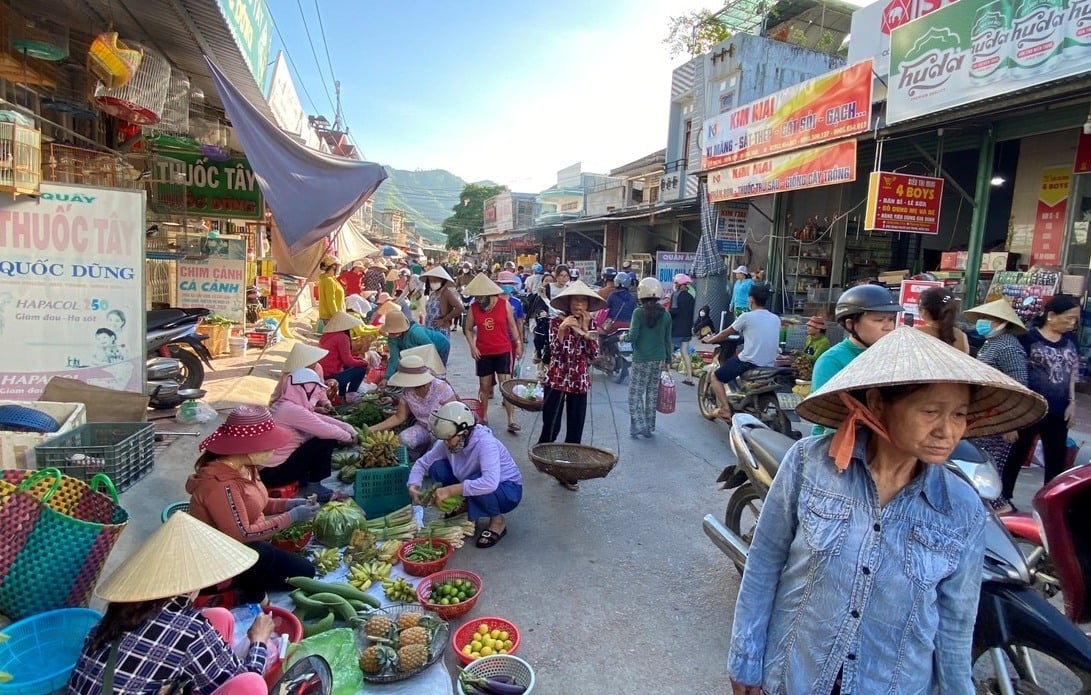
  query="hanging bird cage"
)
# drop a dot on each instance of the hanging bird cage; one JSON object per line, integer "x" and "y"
{"x": 142, "y": 99}
{"x": 175, "y": 120}
{"x": 38, "y": 37}
{"x": 111, "y": 61}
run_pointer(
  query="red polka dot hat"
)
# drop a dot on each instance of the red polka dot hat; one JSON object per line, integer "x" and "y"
{"x": 247, "y": 430}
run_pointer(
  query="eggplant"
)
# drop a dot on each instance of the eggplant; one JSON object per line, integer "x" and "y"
{"x": 490, "y": 686}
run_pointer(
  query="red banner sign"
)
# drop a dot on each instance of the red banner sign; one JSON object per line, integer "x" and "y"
{"x": 1082, "y": 165}
{"x": 903, "y": 203}
{"x": 1045, "y": 248}
{"x": 819, "y": 166}
{"x": 825, "y": 108}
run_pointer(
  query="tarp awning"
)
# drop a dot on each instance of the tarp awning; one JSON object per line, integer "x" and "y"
{"x": 352, "y": 244}
{"x": 311, "y": 194}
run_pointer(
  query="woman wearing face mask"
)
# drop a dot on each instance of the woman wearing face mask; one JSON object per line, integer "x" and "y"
{"x": 306, "y": 459}
{"x": 226, "y": 493}
{"x": 444, "y": 306}
{"x": 999, "y": 325}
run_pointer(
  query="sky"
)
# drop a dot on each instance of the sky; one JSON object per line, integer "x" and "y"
{"x": 505, "y": 90}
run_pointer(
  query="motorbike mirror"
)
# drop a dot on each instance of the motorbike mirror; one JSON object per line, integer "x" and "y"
{"x": 308, "y": 676}
{"x": 982, "y": 475}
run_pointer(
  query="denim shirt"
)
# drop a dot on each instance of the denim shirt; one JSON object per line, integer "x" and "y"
{"x": 834, "y": 581}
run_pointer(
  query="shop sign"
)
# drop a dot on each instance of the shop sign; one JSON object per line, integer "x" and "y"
{"x": 872, "y": 25}
{"x": 225, "y": 188}
{"x": 1082, "y": 165}
{"x": 588, "y": 270}
{"x": 217, "y": 283}
{"x": 670, "y": 263}
{"x": 977, "y": 49}
{"x": 819, "y": 166}
{"x": 910, "y": 297}
{"x": 251, "y": 27}
{"x": 825, "y": 108}
{"x": 903, "y": 203}
{"x": 731, "y": 228}
{"x": 72, "y": 289}
{"x": 1045, "y": 248}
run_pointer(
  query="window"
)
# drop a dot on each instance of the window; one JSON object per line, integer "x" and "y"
{"x": 686, "y": 137}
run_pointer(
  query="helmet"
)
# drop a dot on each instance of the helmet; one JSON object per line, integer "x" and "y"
{"x": 510, "y": 265}
{"x": 609, "y": 273}
{"x": 405, "y": 271}
{"x": 624, "y": 280}
{"x": 537, "y": 268}
{"x": 450, "y": 419}
{"x": 649, "y": 288}
{"x": 856, "y": 300}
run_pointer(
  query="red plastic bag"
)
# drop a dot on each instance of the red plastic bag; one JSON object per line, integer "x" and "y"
{"x": 667, "y": 398}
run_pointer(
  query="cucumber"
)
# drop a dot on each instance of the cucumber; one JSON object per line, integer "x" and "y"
{"x": 303, "y": 601}
{"x": 314, "y": 586}
{"x": 320, "y": 626}
{"x": 339, "y": 604}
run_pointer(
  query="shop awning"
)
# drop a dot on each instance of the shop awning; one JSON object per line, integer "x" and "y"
{"x": 622, "y": 215}
{"x": 311, "y": 194}
{"x": 352, "y": 244}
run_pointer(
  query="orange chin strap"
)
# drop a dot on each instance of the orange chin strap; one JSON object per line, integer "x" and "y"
{"x": 844, "y": 440}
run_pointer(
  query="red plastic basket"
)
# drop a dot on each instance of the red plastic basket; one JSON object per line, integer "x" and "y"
{"x": 284, "y": 623}
{"x": 424, "y": 591}
{"x": 464, "y": 635}
{"x": 423, "y": 569}
{"x": 286, "y": 492}
{"x": 475, "y": 406}
{"x": 293, "y": 546}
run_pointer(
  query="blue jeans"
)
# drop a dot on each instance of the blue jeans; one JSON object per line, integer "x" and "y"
{"x": 349, "y": 379}
{"x": 732, "y": 368}
{"x": 502, "y": 500}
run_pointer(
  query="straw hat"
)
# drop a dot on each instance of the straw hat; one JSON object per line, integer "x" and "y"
{"x": 411, "y": 372}
{"x": 395, "y": 323}
{"x": 577, "y": 288}
{"x": 482, "y": 286}
{"x": 303, "y": 355}
{"x": 1000, "y": 309}
{"x": 816, "y": 322}
{"x": 182, "y": 556}
{"x": 358, "y": 264}
{"x": 439, "y": 273}
{"x": 342, "y": 321}
{"x": 248, "y": 429}
{"x": 430, "y": 355}
{"x": 908, "y": 356}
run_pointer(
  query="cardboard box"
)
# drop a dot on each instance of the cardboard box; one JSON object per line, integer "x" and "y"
{"x": 17, "y": 448}
{"x": 893, "y": 277}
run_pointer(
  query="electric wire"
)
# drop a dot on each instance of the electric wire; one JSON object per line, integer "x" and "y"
{"x": 291, "y": 61}
{"x": 314, "y": 53}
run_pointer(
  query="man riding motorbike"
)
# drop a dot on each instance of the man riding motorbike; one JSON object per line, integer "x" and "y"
{"x": 619, "y": 312}
{"x": 760, "y": 331}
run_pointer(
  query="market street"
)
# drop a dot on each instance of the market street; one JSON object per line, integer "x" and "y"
{"x": 615, "y": 587}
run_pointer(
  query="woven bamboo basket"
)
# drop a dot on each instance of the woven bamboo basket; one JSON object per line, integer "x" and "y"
{"x": 571, "y": 463}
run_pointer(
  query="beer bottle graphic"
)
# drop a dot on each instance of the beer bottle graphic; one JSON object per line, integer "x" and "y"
{"x": 1077, "y": 29}
{"x": 1037, "y": 35}
{"x": 990, "y": 39}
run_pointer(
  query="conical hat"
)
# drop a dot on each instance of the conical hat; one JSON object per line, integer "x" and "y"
{"x": 577, "y": 288}
{"x": 999, "y": 309}
{"x": 482, "y": 286}
{"x": 411, "y": 372}
{"x": 303, "y": 355}
{"x": 342, "y": 321}
{"x": 182, "y": 556}
{"x": 439, "y": 273}
{"x": 908, "y": 356}
{"x": 430, "y": 355}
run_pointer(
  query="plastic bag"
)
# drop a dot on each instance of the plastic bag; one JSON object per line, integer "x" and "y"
{"x": 666, "y": 398}
{"x": 193, "y": 412}
{"x": 338, "y": 647}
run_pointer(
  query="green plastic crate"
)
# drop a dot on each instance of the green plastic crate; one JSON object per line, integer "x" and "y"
{"x": 380, "y": 491}
{"x": 125, "y": 451}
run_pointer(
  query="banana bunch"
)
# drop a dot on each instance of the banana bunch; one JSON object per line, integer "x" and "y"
{"x": 388, "y": 550}
{"x": 399, "y": 590}
{"x": 359, "y": 577}
{"x": 327, "y": 560}
{"x": 377, "y": 450}
{"x": 375, "y": 570}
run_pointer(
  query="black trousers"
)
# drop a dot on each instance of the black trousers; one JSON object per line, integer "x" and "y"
{"x": 1054, "y": 435}
{"x": 271, "y": 572}
{"x": 310, "y": 463}
{"x": 553, "y": 407}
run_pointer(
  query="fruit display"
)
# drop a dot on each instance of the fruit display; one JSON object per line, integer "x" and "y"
{"x": 326, "y": 560}
{"x": 320, "y": 605}
{"x": 388, "y": 550}
{"x": 335, "y": 522}
{"x": 486, "y": 642}
{"x": 400, "y": 643}
{"x": 361, "y": 547}
{"x": 398, "y": 589}
{"x": 345, "y": 457}
{"x": 378, "y": 450}
{"x": 451, "y": 592}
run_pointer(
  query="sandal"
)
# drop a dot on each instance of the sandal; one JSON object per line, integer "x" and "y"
{"x": 574, "y": 487}
{"x": 688, "y": 382}
{"x": 489, "y": 538}
{"x": 514, "y": 428}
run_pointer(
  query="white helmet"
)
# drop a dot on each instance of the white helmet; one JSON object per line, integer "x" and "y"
{"x": 649, "y": 288}
{"x": 451, "y": 419}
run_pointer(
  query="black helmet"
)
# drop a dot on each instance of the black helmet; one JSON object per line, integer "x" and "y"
{"x": 609, "y": 273}
{"x": 856, "y": 300}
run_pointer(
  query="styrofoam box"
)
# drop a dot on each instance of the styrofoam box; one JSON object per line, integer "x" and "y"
{"x": 17, "y": 448}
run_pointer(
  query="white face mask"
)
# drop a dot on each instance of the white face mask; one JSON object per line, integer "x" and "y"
{"x": 435, "y": 285}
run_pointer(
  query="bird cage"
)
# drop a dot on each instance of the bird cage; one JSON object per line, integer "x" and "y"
{"x": 38, "y": 37}
{"x": 111, "y": 61}
{"x": 20, "y": 158}
{"x": 68, "y": 164}
{"x": 175, "y": 120}
{"x": 141, "y": 99}
{"x": 167, "y": 185}
{"x": 72, "y": 96}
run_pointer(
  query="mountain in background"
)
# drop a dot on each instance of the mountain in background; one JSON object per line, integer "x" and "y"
{"x": 425, "y": 197}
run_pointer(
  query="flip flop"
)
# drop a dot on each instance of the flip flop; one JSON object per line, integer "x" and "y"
{"x": 574, "y": 487}
{"x": 489, "y": 538}
{"x": 688, "y": 382}
{"x": 514, "y": 428}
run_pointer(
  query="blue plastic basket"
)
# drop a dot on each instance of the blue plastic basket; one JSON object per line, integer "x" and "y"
{"x": 28, "y": 419}
{"x": 41, "y": 651}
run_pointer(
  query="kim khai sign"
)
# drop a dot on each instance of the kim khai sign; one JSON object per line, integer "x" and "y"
{"x": 977, "y": 49}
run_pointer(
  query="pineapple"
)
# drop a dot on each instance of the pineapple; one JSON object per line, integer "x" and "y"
{"x": 378, "y": 658}
{"x": 413, "y": 635}
{"x": 409, "y": 619}
{"x": 378, "y": 626}
{"x": 412, "y": 656}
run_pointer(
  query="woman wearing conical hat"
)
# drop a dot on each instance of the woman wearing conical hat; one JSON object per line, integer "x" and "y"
{"x": 865, "y": 568}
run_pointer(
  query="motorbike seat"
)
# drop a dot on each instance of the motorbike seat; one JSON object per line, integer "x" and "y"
{"x": 157, "y": 318}
{"x": 766, "y": 373}
{"x": 769, "y": 447}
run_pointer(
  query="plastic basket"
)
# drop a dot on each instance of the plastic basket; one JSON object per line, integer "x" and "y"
{"x": 284, "y": 623}
{"x": 124, "y": 451}
{"x": 380, "y": 491}
{"x": 450, "y": 612}
{"x": 41, "y": 651}
{"x": 476, "y": 407}
{"x": 502, "y": 665}
{"x": 423, "y": 569}
{"x": 172, "y": 508}
{"x": 464, "y": 635}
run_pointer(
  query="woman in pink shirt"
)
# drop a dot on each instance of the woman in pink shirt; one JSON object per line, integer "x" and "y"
{"x": 340, "y": 364}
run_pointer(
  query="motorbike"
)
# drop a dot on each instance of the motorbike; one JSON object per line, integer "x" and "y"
{"x": 1055, "y": 540}
{"x": 765, "y": 393}
{"x": 615, "y": 353}
{"x": 176, "y": 355}
{"x": 1016, "y": 626}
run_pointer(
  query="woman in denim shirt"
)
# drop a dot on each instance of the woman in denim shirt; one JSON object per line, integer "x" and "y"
{"x": 865, "y": 568}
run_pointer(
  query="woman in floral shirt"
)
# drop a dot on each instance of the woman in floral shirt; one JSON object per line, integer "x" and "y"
{"x": 573, "y": 344}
